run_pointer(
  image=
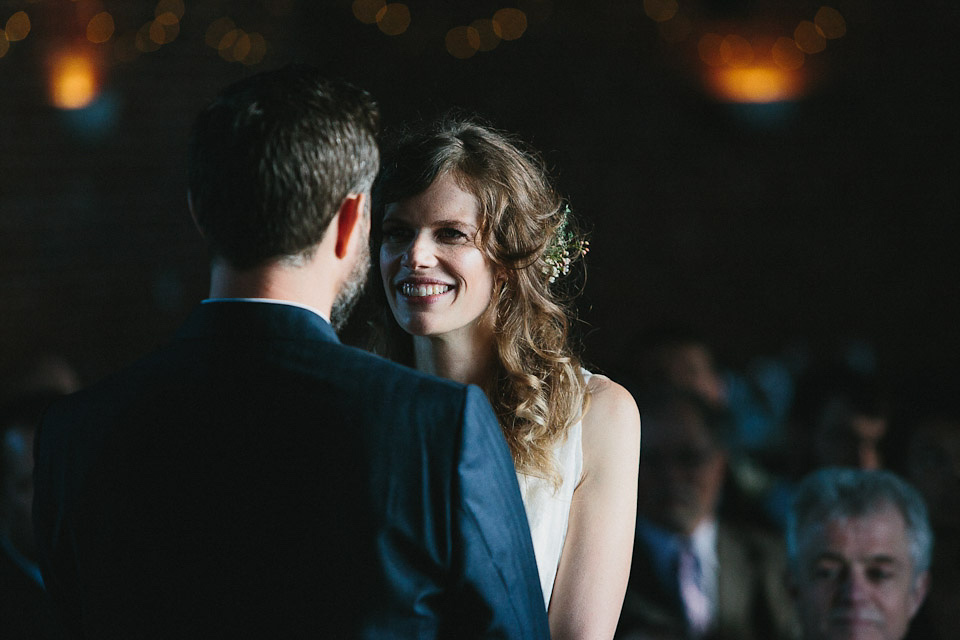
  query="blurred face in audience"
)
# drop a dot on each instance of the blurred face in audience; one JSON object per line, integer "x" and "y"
{"x": 681, "y": 469}
{"x": 846, "y": 437}
{"x": 855, "y": 578}
{"x": 690, "y": 366}
{"x": 933, "y": 464}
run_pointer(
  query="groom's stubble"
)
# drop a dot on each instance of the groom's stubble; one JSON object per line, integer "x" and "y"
{"x": 351, "y": 290}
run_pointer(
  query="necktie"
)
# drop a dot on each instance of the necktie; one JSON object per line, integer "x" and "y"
{"x": 694, "y": 599}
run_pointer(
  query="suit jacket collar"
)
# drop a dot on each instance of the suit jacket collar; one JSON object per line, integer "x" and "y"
{"x": 246, "y": 319}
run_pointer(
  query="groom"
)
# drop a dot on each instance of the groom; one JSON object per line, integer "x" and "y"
{"x": 256, "y": 478}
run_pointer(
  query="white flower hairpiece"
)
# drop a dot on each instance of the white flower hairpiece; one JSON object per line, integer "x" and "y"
{"x": 565, "y": 248}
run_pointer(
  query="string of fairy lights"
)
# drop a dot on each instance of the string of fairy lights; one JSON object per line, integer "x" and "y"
{"x": 99, "y": 26}
{"x": 736, "y": 50}
{"x": 461, "y": 41}
{"x": 91, "y": 36}
{"x": 741, "y": 62}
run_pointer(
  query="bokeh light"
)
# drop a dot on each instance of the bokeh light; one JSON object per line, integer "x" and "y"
{"x": 809, "y": 38}
{"x": 675, "y": 30}
{"x": 18, "y": 26}
{"x": 755, "y": 84}
{"x": 4, "y": 43}
{"x": 394, "y": 18}
{"x": 241, "y": 48}
{"x": 73, "y": 79}
{"x": 708, "y": 47}
{"x": 125, "y": 48}
{"x": 216, "y": 30}
{"x": 100, "y": 28}
{"x": 736, "y": 51}
{"x": 165, "y": 28}
{"x": 258, "y": 50}
{"x": 366, "y": 10}
{"x": 462, "y": 42}
{"x": 786, "y": 54}
{"x": 226, "y": 45}
{"x": 487, "y": 38}
{"x": 830, "y": 22}
{"x": 509, "y": 24}
{"x": 169, "y": 6}
{"x": 144, "y": 42}
{"x": 660, "y": 10}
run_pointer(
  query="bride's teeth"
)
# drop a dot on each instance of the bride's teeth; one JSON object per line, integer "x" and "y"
{"x": 415, "y": 291}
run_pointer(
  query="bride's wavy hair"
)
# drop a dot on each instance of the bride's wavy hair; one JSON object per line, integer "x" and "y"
{"x": 539, "y": 391}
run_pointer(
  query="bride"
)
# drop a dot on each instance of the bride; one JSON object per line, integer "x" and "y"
{"x": 474, "y": 244}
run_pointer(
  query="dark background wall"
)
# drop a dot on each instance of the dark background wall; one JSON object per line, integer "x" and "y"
{"x": 830, "y": 218}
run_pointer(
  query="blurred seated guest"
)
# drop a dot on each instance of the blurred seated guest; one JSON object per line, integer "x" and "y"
{"x": 755, "y": 404}
{"x": 695, "y": 574}
{"x": 840, "y": 418}
{"x": 24, "y": 610}
{"x": 757, "y": 399}
{"x": 672, "y": 354}
{"x": 859, "y": 544}
{"x": 933, "y": 467}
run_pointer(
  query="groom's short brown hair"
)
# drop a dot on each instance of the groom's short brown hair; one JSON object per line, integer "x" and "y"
{"x": 272, "y": 158}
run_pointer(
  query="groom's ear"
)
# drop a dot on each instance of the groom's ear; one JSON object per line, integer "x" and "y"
{"x": 348, "y": 221}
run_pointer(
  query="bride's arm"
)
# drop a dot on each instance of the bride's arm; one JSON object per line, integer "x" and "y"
{"x": 595, "y": 562}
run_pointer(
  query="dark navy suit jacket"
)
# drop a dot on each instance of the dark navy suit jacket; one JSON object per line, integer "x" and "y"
{"x": 257, "y": 478}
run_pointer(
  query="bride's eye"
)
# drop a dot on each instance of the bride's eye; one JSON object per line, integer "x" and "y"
{"x": 451, "y": 234}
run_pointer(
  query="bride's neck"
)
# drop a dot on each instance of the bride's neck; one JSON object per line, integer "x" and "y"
{"x": 469, "y": 361}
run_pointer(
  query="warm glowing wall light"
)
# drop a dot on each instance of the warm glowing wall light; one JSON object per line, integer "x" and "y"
{"x": 73, "y": 80}
{"x": 756, "y": 84}
{"x": 736, "y": 51}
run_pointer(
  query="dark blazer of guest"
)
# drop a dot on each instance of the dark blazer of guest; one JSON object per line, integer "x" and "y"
{"x": 752, "y": 599}
{"x": 256, "y": 478}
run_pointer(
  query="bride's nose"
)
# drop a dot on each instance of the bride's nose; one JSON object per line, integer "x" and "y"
{"x": 419, "y": 253}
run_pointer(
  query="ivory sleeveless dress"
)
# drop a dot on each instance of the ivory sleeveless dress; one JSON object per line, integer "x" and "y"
{"x": 548, "y": 511}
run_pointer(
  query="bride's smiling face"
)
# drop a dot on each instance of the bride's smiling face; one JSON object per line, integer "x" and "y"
{"x": 436, "y": 278}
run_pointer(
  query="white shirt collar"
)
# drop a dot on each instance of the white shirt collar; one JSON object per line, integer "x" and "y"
{"x": 704, "y": 542}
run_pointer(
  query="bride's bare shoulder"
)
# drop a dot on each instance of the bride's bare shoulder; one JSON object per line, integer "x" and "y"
{"x": 611, "y": 425}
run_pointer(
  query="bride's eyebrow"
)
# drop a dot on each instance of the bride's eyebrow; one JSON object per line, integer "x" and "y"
{"x": 454, "y": 223}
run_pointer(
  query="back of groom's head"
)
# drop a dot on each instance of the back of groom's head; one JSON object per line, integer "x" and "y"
{"x": 272, "y": 158}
